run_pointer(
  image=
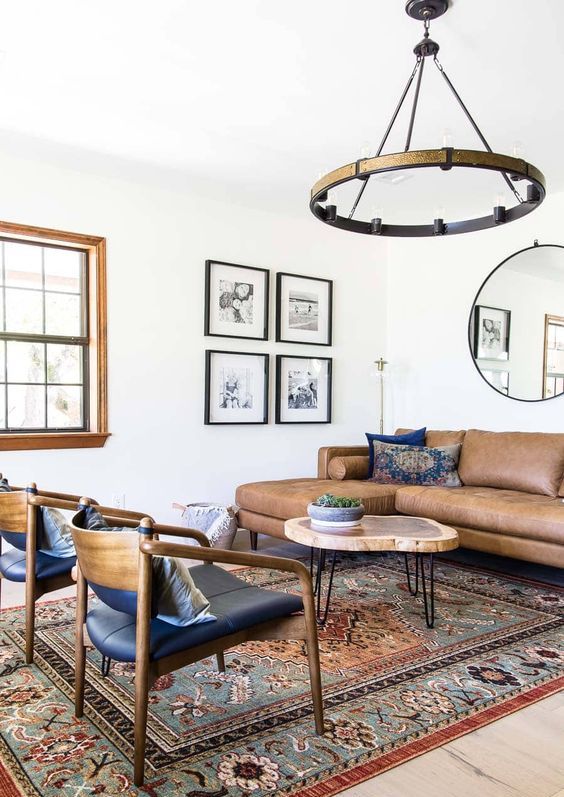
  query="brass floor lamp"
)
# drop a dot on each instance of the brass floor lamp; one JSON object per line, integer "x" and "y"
{"x": 380, "y": 364}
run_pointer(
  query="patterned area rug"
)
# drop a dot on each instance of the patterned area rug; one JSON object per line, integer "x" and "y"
{"x": 393, "y": 689}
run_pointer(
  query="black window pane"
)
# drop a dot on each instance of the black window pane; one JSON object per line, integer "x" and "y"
{"x": 64, "y": 407}
{"x": 26, "y": 361}
{"x": 63, "y": 270}
{"x": 24, "y": 311}
{"x": 63, "y": 314}
{"x": 26, "y": 406}
{"x": 23, "y": 265}
{"x": 64, "y": 363}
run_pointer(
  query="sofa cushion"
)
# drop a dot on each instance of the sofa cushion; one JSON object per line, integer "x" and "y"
{"x": 489, "y": 509}
{"x": 531, "y": 462}
{"x": 289, "y": 497}
{"x": 415, "y": 465}
{"x": 437, "y": 437}
{"x": 348, "y": 468}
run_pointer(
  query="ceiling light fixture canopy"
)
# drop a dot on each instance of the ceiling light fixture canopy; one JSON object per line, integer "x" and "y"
{"x": 512, "y": 170}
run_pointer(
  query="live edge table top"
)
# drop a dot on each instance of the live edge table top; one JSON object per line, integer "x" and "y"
{"x": 376, "y": 533}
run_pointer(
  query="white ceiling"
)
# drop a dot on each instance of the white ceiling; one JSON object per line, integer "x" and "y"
{"x": 256, "y": 98}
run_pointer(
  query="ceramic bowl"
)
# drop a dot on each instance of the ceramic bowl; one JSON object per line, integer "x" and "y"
{"x": 335, "y": 516}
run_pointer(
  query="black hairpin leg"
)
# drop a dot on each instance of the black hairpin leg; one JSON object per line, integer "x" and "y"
{"x": 322, "y": 616}
{"x": 407, "y": 573}
{"x": 105, "y": 668}
{"x": 428, "y": 599}
{"x": 429, "y": 603}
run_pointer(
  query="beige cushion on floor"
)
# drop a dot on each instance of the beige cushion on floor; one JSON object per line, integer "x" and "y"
{"x": 290, "y": 497}
{"x": 489, "y": 509}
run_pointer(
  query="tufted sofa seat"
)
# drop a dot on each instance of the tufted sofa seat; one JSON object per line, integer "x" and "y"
{"x": 511, "y": 501}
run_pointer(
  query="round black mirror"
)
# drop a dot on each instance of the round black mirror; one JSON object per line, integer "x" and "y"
{"x": 516, "y": 326}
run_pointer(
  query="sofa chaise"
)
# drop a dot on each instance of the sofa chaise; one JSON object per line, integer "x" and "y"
{"x": 511, "y": 502}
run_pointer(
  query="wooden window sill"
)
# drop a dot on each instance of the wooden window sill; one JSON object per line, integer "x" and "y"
{"x": 28, "y": 442}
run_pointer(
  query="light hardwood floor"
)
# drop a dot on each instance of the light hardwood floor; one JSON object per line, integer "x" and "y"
{"x": 521, "y": 755}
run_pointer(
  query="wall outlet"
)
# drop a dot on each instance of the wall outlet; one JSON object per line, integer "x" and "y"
{"x": 118, "y": 500}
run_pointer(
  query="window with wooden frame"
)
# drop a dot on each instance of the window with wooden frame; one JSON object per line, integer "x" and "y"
{"x": 53, "y": 382}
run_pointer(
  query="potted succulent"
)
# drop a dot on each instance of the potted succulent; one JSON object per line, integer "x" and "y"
{"x": 336, "y": 511}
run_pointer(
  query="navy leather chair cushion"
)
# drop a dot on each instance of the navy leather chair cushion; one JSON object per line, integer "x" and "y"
{"x": 14, "y": 538}
{"x": 12, "y": 565}
{"x": 236, "y": 604}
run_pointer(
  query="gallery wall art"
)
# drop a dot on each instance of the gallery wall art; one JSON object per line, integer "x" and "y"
{"x": 236, "y": 301}
{"x": 303, "y": 389}
{"x": 236, "y": 389}
{"x": 304, "y": 309}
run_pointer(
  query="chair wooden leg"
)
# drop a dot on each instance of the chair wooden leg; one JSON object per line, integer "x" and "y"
{"x": 142, "y": 648}
{"x": 79, "y": 672}
{"x": 315, "y": 681}
{"x": 29, "y": 619}
{"x": 312, "y": 646}
{"x": 254, "y": 540}
{"x": 220, "y": 662}
{"x": 141, "y": 704}
{"x": 79, "y": 646}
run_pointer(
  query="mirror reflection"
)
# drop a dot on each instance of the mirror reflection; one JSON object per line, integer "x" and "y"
{"x": 516, "y": 328}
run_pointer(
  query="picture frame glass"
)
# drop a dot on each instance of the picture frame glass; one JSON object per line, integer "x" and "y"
{"x": 304, "y": 307}
{"x": 237, "y": 301}
{"x": 237, "y": 388}
{"x": 304, "y": 390}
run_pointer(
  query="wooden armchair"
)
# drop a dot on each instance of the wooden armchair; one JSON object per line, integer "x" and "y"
{"x": 40, "y": 572}
{"x": 118, "y": 568}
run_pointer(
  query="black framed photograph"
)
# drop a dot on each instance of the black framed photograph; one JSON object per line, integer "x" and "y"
{"x": 303, "y": 389}
{"x": 491, "y": 333}
{"x": 304, "y": 309}
{"x": 236, "y": 301}
{"x": 236, "y": 387}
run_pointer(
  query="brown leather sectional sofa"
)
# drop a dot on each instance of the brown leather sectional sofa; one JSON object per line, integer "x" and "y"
{"x": 511, "y": 502}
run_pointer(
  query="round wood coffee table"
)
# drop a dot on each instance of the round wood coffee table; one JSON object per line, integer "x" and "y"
{"x": 408, "y": 535}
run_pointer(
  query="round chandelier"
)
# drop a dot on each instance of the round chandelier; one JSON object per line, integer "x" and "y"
{"x": 512, "y": 170}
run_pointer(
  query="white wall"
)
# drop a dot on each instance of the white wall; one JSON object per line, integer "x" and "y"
{"x": 158, "y": 240}
{"x": 432, "y": 285}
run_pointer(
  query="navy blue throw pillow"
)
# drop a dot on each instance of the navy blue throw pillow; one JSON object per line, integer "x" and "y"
{"x": 415, "y": 438}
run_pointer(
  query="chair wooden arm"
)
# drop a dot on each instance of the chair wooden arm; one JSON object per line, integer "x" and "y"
{"x": 62, "y": 496}
{"x": 56, "y": 503}
{"x": 177, "y": 531}
{"x": 159, "y": 548}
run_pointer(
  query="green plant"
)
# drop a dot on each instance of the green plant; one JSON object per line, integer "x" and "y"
{"x": 335, "y": 501}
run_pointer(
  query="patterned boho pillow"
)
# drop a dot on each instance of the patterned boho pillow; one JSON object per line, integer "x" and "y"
{"x": 396, "y": 464}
